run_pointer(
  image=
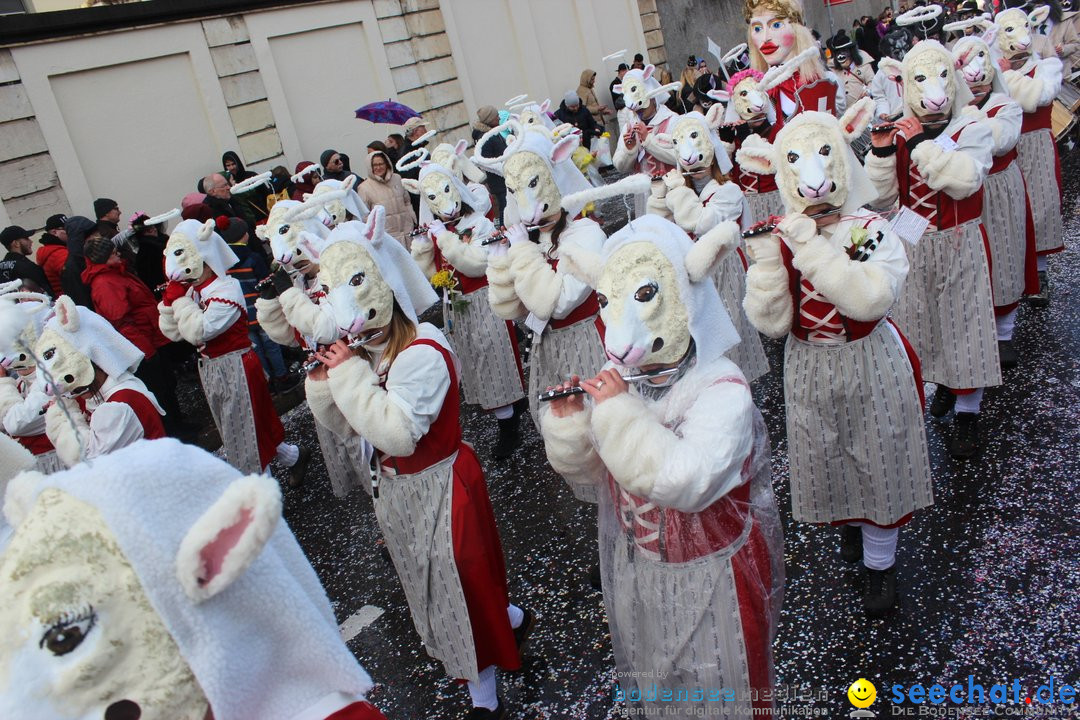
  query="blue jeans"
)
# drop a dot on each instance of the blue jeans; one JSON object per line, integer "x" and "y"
{"x": 269, "y": 352}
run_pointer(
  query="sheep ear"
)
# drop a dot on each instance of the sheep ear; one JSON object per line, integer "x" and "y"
{"x": 856, "y": 118}
{"x": 309, "y": 243}
{"x": 348, "y": 183}
{"x": 648, "y": 71}
{"x": 546, "y": 105}
{"x": 67, "y": 314}
{"x": 459, "y": 147}
{"x": 664, "y": 140}
{"x": 564, "y": 149}
{"x": 261, "y": 232}
{"x": 18, "y": 497}
{"x": 228, "y": 537}
{"x": 714, "y": 117}
{"x": 376, "y": 221}
{"x": 583, "y": 264}
{"x": 722, "y": 96}
{"x": 206, "y": 230}
{"x": 894, "y": 69}
{"x": 990, "y": 33}
{"x": 413, "y": 186}
{"x": 617, "y": 88}
{"x": 757, "y": 156}
{"x": 712, "y": 247}
{"x": 1038, "y": 15}
{"x": 356, "y": 205}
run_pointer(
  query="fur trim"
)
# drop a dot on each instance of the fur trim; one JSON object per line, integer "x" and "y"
{"x": 189, "y": 320}
{"x": 227, "y": 538}
{"x": 768, "y": 302}
{"x": 467, "y": 258}
{"x": 952, "y": 172}
{"x": 69, "y": 432}
{"x": 369, "y": 409}
{"x": 781, "y": 73}
{"x": 501, "y": 296}
{"x": 20, "y": 495}
{"x": 638, "y": 184}
{"x": 14, "y": 459}
{"x": 569, "y": 447}
{"x": 9, "y": 397}
{"x": 536, "y": 284}
{"x": 271, "y": 318}
{"x": 167, "y": 323}
{"x": 306, "y": 316}
{"x": 423, "y": 252}
{"x": 685, "y": 207}
{"x": 621, "y": 425}
{"x": 882, "y": 172}
{"x": 864, "y": 287}
{"x": 326, "y": 413}
{"x": 710, "y": 249}
{"x": 581, "y": 263}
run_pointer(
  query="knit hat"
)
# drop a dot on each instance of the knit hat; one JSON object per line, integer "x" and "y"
{"x": 413, "y": 123}
{"x": 571, "y": 98}
{"x": 12, "y": 233}
{"x": 55, "y": 222}
{"x": 488, "y": 117}
{"x": 231, "y": 229}
{"x": 192, "y": 199}
{"x": 103, "y": 206}
{"x": 98, "y": 249}
{"x": 199, "y": 211}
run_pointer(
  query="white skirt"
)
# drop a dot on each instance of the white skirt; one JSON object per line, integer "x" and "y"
{"x": 1005, "y": 219}
{"x": 225, "y": 385}
{"x": 490, "y": 375}
{"x": 1038, "y": 163}
{"x": 749, "y": 355}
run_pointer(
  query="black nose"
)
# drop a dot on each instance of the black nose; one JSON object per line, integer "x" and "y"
{"x": 545, "y": 207}
{"x": 123, "y": 710}
{"x": 371, "y": 314}
{"x": 69, "y": 378}
{"x": 22, "y": 356}
{"x": 657, "y": 344}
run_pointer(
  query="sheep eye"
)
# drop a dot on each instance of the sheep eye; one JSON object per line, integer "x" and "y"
{"x": 743, "y": 93}
{"x": 920, "y": 78}
{"x": 446, "y": 189}
{"x": 178, "y": 253}
{"x": 534, "y": 182}
{"x": 694, "y": 134}
{"x": 326, "y": 290}
{"x": 646, "y": 292}
{"x": 944, "y": 73}
{"x": 357, "y": 280}
{"x": 49, "y": 354}
{"x": 601, "y": 299}
{"x": 792, "y": 157}
{"x": 68, "y": 634}
{"x": 431, "y": 196}
{"x": 1009, "y": 29}
{"x": 825, "y": 150}
{"x": 283, "y": 230}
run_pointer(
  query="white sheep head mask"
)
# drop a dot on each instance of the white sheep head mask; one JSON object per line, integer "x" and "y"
{"x": 453, "y": 157}
{"x": 441, "y": 195}
{"x": 183, "y": 260}
{"x": 22, "y": 318}
{"x": 358, "y": 297}
{"x": 71, "y": 371}
{"x": 536, "y": 115}
{"x": 78, "y": 636}
{"x": 751, "y": 103}
{"x": 811, "y": 156}
{"x": 283, "y": 229}
{"x": 929, "y": 79}
{"x": 691, "y": 138}
{"x": 529, "y": 179}
{"x": 975, "y": 61}
{"x": 1014, "y": 29}
{"x": 639, "y": 88}
{"x": 338, "y": 200}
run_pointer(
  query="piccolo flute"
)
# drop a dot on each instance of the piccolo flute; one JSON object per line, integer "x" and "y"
{"x": 885, "y": 127}
{"x": 354, "y": 345}
{"x": 765, "y": 227}
{"x": 550, "y": 395}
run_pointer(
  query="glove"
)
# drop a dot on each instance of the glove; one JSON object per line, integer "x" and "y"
{"x": 796, "y": 229}
{"x": 436, "y": 228}
{"x": 516, "y": 234}
{"x": 282, "y": 281}
{"x": 674, "y": 179}
{"x": 173, "y": 291}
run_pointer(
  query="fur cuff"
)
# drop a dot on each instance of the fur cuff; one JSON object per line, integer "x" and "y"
{"x": 9, "y": 395}
{"x": 882, "y": 172}
{"x": 271, "y": 318}
{"x": 321, "y": 401}
{"x": 952, "y": 172}
{"x": 466, "y": 258}
{"x": 1025, "y": 90}
{"x": 860, "y": 290}
{"x": 306, "y": 316}
{"x": 67, "y": 436}
{"x": 189, "y": 320}
{"x": 167, "y": 322}
{"x": 537, "y": 285}
{"x": 768, "y": 302}
{"x": 368, "y": 408}
{"x": 685, "y": 207}
{"x": 501, "y": 296}
{"x": 569, "y": 446}
{"x": 620, "y": 425}
{"x": 423, "y": 252}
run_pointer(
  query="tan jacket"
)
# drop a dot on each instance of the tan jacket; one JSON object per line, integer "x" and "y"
{"x": 857, "y": 79}
{"x": 1063, "y": 34}
{"x": 392, "y": 195}
{"x": 588, "y": 96}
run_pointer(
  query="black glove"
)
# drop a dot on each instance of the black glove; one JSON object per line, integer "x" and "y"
{"x": 282, "y": 280}
{"x": 266, "y": 288}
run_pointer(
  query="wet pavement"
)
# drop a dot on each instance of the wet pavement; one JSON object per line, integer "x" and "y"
{"x": 989, "y": 576}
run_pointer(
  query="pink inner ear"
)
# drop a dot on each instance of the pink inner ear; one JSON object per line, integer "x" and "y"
{"x": 563, "y": 149}
{"x": 212, "y": 556}
{"x": 459, "y": 149}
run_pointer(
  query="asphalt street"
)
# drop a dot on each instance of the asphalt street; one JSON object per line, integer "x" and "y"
{"x": 989, "y": 576}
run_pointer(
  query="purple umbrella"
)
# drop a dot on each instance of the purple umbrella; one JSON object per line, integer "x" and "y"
{"x": 386, "y": 111}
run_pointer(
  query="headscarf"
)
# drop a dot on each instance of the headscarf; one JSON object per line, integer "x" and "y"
{"x": 305, "y": 185}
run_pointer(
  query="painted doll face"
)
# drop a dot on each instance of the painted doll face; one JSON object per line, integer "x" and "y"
{"x": 773, "y": 36}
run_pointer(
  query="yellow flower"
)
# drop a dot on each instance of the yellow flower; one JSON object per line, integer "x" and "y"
{"x": 605, "y": 134}
{"x": 443, "y": 279}
{"x": 858, "y": 235}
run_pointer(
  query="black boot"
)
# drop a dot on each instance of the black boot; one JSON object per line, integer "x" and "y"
{"x": 880, "y": 594}
{"x": 509, "y": 437}
{"x": 299, "y": 468}
{"x": 851, "y": 543}
{"x": 1007, "y": 353}
{"x": 484, "y": 714}
{"x": 943, "y": 402}
{"x": 1042, "y": 299}
{"x": 522, "y": 631}
{"x": 965, "y": 439}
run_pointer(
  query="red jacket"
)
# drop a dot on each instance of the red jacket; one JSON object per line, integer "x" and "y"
{"x": 51, "y": 258}
{"x": 125, "y": 301}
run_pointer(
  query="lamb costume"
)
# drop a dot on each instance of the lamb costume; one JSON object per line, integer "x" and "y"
{"x": 492, "y": 376}
{"x": 691, "y": 552}
{"x": 74, "y": 344}
{"x": 169, "y": 600}
{"x": 698, "y": 203}
{"x": 431, "y": 492}
{"x": 210, "y": 314}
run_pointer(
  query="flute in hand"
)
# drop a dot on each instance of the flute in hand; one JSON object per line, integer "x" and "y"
{"x": 549, "y": 395}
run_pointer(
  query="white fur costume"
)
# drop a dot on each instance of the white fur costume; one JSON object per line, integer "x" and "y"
{"x": 649, "y": 157}
{"x": 856, "y": 442}
{"x": 688, "y": 604}
{"x": 179, "y": 592}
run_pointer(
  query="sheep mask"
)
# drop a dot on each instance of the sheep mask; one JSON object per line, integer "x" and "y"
{"x": 76, "y": 340}
{"x": 332, "y": 203}
{"x": 151, "y": 584}
{"x": 639, "y": 87}
{"x": 656, "y": 291}
{"x": 813, "y": 160}
{"x": 443, "y": 192}
{"x": 454, "y": 158}
{"x": 977, "y": 63}
{"x": 696, "y": 143}
{"x": 531, "y": 114}
{"x": 283, "y": 229}
{"x": 22, "y": 318}
{"x": 1014, "y": 30}
{"x": 745, "y": 100}
{"x": 193, "y": 246}
{"x": 928, "y": 75}
{"x": 364, "y": 271}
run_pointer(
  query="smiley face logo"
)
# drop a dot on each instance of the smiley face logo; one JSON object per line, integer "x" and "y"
{"x": 862, "y": 693}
